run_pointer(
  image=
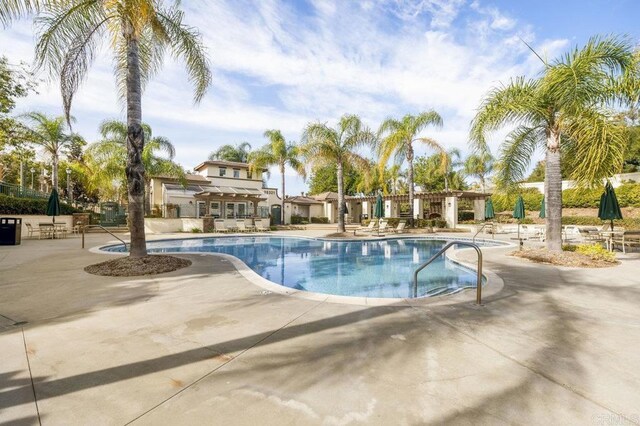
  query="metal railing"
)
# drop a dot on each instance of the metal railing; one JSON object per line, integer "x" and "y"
{"x": 105, "y": 230}
{"x": 493, "y": 231}
{"x": 18, "y": 191}
{"x": 437, "y": 255}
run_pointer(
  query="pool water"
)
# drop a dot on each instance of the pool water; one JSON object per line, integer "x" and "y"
{"x": 381, "y": 268}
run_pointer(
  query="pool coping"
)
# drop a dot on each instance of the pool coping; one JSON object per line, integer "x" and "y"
{"x": 493, "y": 285}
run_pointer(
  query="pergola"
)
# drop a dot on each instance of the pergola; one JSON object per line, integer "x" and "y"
{"x": 444, "y": 203}
{"x": 225, "y": 194}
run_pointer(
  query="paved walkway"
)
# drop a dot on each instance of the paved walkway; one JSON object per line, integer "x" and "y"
{"x": 205, "y": 346}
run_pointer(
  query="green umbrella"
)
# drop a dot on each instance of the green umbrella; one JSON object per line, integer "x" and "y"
{"x": 53, "y": 205}
{"x": 609, "y": 208}
{"x": 542, "y": 213}
{"x": 379, "y": 210}
{"x": 488, "y": 210}
{"x": 519, "y": 214}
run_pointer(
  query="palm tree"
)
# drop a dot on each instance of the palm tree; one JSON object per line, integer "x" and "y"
{"x": 52, "y": 135}
{"x": 397, "y": 138}
{"x": 238, "y": 153}
{"x": 564, "y": 112}
{"x": 277, "y": 153}
{"x": 323, "y": 145}
{"x": 108, "y": 157}
{"x": 479, "y": 165}
{"x": 139, "y": 33}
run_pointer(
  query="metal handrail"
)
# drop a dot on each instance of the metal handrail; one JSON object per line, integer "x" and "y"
{"x": 481, "y": 228}
{"x": 105, "y": 230}
{"x": 437, "y": 255}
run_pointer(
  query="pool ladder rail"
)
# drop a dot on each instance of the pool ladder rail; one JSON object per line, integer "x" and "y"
{"x": 493, "y": 230}
{"x": 105, "y": 230}
{"x": 439, "y": 253}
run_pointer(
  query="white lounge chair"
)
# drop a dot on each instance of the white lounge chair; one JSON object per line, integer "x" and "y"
{"x": 369, "y": 228}
{"x": 242, "y": 226}
{"x": 400, "y": 228}
{"x": 220, "y": 226}
{"x": 261, "y": 226}
{"x": 31, "y": 230}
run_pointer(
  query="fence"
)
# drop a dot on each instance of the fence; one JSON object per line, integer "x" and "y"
{"x": 175, "y": 211}
{"x": 13, "y": 190}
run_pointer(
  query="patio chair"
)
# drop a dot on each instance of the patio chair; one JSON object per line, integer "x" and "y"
{"x": 571, "y": 233}
{"x": 400, "y": 229}
{"x": 241, "y": 225}
{"x": 382, "y": 227}
{"x": 32, "y": 231}
{"x": 368, "y": 228}
{"x": 626, "y": 239}
{"x": 261, "y": 226}
{"x": 219, "y": 226}
{"x": 46, "y": 230}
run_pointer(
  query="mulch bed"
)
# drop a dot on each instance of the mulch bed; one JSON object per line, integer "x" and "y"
{"x": 133, "y": 267}
{"x": 565, "y": 258}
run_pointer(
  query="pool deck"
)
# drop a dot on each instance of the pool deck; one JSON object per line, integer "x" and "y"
{"x": 203, "y": 345}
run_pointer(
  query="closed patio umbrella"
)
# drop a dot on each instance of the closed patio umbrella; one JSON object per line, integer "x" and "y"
{"x": 609, "y": 208}
{"x": 379, "y": 209}
{"x": 488, "y": 210}
{"x": 53, "y": 205}
{"x": 519, "y": 213}
{"x": 542, "y": 214}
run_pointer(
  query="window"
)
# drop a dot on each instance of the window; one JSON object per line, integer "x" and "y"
{"x": 223, "y": 171}
{"x": 236, "y": 173}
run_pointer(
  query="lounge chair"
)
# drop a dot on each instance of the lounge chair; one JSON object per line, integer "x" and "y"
{"x": 368, "y": 228}
{"x": 400, "y": 229}
{"x": 382, "y": 227}
{"x": 220, "y": 226}
{"x": 260, "y": 225}
{"x": 570, "y": 233}
{"x": 242, "y": 226}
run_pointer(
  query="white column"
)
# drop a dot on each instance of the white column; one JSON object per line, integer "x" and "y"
{"x": 478, "y": 209}
{"x": 451, "y": 211}
{"x": 388, "y": 208}
{"x": 418, "y": 208}
{"x": 366, "y": 209}
{"x": 287, "y": 213}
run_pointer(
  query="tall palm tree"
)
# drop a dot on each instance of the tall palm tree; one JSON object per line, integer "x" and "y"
{"x": 52, "y": 135}
{"x": 238, "y": 153}
{"x": 323, "y": 145}
{"x": 565, "y": 113}
{"x": 108, "y": 157}
{"x": 277, "y": 153}
{"x": 397, "y": 138}
{"x": 139, "y": 33}
{"x": 479, "y": 165}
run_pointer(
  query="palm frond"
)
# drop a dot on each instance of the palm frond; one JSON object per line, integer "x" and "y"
{"x": 516, "y": 154}
{"x": 518, "y": 102}
{"x": 186, "y": 42}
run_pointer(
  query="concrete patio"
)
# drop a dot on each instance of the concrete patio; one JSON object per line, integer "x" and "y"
{"x": 205, "y": 346}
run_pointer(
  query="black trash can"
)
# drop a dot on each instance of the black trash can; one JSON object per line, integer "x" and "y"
{"x": 10, "y": 231}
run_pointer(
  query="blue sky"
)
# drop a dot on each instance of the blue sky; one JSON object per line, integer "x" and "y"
{"x": 281, "y": 64}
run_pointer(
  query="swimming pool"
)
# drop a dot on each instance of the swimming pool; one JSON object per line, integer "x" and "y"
{"x": 369, "y": 268}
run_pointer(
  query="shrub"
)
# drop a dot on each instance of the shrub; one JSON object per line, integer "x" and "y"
{"x": 24, "y": 206}
{"x": 628, "y": 224}
{"x": 506, "y": 202}
{"x": 465, "y": 216}
{"x": 196, "y": 230}
{"x": 296, "y": 220}
{"x": 596, "y": 252}
{"x": 320, "y": 219}
{"x": 418, "y": 223}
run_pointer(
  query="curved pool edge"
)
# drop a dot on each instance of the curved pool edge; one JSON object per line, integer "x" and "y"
{"x": 493, "y": 284}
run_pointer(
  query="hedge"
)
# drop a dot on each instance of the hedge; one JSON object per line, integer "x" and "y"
{"x": 628, "y": 195}
{"x": 628, "y": 224}
{"x": 23, "y": 206}
{"x": 320, "y": 219}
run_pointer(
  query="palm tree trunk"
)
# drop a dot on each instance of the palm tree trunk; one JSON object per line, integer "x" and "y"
{"x": 283, "y": 196}
{"x": 410, "y": 181}
{"x": 147, "y": 193}
{"x": 54, "y": 171}
{"x": 135, "y": 145}
{"x": 340, "y": 176}
{"x": 553, "y": 193}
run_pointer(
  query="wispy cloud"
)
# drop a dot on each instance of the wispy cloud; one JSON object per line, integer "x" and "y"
{"x": 280, "y": 65}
